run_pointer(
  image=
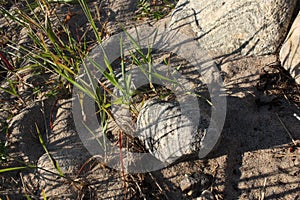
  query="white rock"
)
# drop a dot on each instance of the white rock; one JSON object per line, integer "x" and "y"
{"x": 290, "y": 51}
{"x": 225, "y": 27}
{"x": 167, "y": 133}
{"x": 206, "y": 195}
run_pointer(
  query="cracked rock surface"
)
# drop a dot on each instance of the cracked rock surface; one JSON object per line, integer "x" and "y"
{"x": 247, "y": 27}
{"x": 167, "y": 132}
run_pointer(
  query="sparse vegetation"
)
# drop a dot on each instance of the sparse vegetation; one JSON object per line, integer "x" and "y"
{"x": 54, "y": 49}
{"x": 52, "y": 56}
{"x": 154, "y": 9}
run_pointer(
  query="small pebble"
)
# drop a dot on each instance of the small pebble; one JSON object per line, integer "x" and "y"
{"x": 206, "y": 195}
{"x": 195, "y": 183}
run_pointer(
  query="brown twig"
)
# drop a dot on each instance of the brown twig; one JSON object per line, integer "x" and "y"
{"x": 6, "y": 62}
{"x": 285, "y": 128}
{"x": 159, "y": 187}
{"x": 52, "y": 113}
{"x": 88, "y": 161}
{"x": 138, "y": 187}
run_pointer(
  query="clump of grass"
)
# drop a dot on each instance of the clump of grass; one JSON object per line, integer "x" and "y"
{"x": 64, "y": 57}
{"x": 52, "y": 49}
{"x": 11, "y": 89}
{"x": 154, "y": 9}
{"x": 48, "y": 49}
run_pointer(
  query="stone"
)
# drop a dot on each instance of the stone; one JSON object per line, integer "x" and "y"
{"x": 226, "y": 27}
{"x": 167, "y": 133}
{"x": 206, "y": 195}
{"x": 65, "y": 148}
{"x": 69, "y": 162}
{"x": 121, "y": 14}
{"x": 78, "y": 175}
{"x": 195, "y": 183}
{"x": 24, "y": 142}
{"x": 290, "y": 51}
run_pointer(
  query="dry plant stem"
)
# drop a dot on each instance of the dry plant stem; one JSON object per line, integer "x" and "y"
{"x": 156, "y": 183}
{"x": 262, "y": 197}
{"x": 285, "y": 128}
{"x": 138, "y": 187}
{"x": 87, "y": 162}
{"x": 25, "y": 188}
{"x": 45, "y": 122}
{"x": 52, "y": 113}
{"x": 219, "y": 197}
{"x": 6, "y": 62}
{"x": 105, "y": 88}
{"x": 22, "y": 80}
{"x": 121, "y": 159}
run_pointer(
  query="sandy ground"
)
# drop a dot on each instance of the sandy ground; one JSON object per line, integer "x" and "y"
{"x": 258, "y": 156}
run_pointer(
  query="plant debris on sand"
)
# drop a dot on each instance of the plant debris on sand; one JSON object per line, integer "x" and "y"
{"x": 43, "y": 44}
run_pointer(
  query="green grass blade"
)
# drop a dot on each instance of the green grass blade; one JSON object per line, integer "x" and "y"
{"x": 54, "y": 162}
{"x": 63, "y": 1}
{"x": 88, "y": 14}
{"x": 12, "y": 17}
{"x": 14, "y": 169}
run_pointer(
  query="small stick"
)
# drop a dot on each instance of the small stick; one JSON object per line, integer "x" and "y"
{"x": 263, "y": 190}
{"x": 288, "y": 132}
{"x": 159, "y": 187}
{"x": 139, "y": 188}
{"x": 88, "y": 161}
{"x": 52, "y": 114}
{"x": 6, "y": 62}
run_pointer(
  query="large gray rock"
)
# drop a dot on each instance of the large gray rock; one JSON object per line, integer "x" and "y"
{"x": 249, "y": 27}
{"x": 82, "y": 178}
{"x": 79, "y": 168}
{"x": 167, "y": 133}
{"x": 49, "y": 180}
{"x": 23, "y": 141}
{"x": 66, "y": 149}
{"x": 290, "y": 51}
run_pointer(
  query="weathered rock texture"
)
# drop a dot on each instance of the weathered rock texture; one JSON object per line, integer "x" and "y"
{"x": 168, "y": 133}
{"x": 290, "y": 51}
{"x": 24, "y": 142}
{"x": 121, "y": 14}
{"x": 66, "y": 149}
{"x": 248, "y": 27}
